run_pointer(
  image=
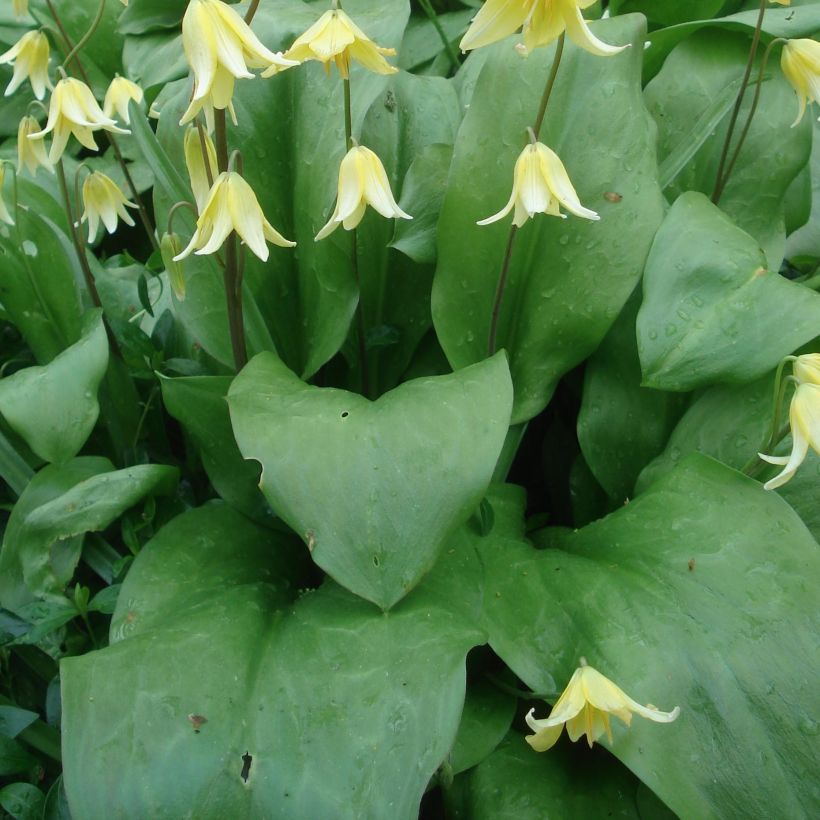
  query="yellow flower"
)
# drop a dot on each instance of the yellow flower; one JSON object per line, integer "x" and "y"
{"x": 334, "y": 36}
{"x": 543, "y": 21}
{"x": 804, "y": 418}
{"x": 30, "y": 58}
{"x": 31, "y": 153}
{"x": 73, "y": 110}
{"x": 170, "y": 247}
{"x": 20, "y": 8}
{"x": 806, "y": 368}
{"x": 232, "y": 206}
{"x": 5, "y": 216}
{"x": 362, "y": 182}
{"x": 585, "y": 707}
{"x": 103, "y": 200}
{"x": 195, "y": 161}
{"x": 540, "y": 185}
{"x": 220, "y": 47}
{"x": 119, "y": 94}
{"x": 800, "y": 61}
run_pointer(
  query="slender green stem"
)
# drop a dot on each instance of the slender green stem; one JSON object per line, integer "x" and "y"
{"x": 505, "y": 263}
{"x": 249, "y": 14}
{"x": 174, "y": 208}
{"x": 14, "y": 470}
{"x": 448, "y": 46}
{"x": 721, "y": 177}
{"x": 523, "y": 694}
{"x": 87, "y": 36}
{"x": 231, "y": 270}
{"x": 348, "y": 115}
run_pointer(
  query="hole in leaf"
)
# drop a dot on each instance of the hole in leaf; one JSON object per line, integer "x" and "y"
{"x": 247, "y": 759}
{"x": 376, "y": 561}
{"x": 345, "y": 414}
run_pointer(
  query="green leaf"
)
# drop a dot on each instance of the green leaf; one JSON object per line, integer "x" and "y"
{"x": 56, "y": 807}
{"x": 327, "y": 706}
{"x": 156, "y": 58}
{"x": 668, "y": 12}
{"x": 13, "y": 720}
{"x": 22, "y": 801}
{"x": 373, "y": 487}
{"x": 14, "y": 759}
{"x": 42, "y": 542}
{"x": 696, "y": 594}
{"x": 147, "y": 15}
{"x": 568, "y": 278}
{"x": 711, "y": 310}
{"x": 622, "y": 425}
{"x": 199, "y": 404}
{"x": 29, "y": 397}
{"x": 516, "y": 782}
{"x": 694, "y": 77}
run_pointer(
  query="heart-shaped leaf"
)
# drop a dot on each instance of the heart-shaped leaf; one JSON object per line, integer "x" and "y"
{"x": 373, "y": 487}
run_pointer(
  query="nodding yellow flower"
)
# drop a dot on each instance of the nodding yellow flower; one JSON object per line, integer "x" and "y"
{"x": 20, "y": 8}
{"x": 540, "y": 185}
{"x": 232, "y": 206}
{"x": 5, "y": 216}
{"x": 103, "y": 200}
{"x": 195, "y": 161}
{"x": 800, "y": 61}
{"x": 119, "y": 94}
{"x": 170, "y": 247}
{"x": 585, "y": 706}
{"x": 362, "y": 182}
{"x": 335, "y": 37}
{"x": 31, "y": 153}
{"x": 543, "y": 21}
{"x": 220, "y": 47}
{"x": 73, "y": 110}
{"x": 30, "y": 58}
{"x": 806, "y": 368}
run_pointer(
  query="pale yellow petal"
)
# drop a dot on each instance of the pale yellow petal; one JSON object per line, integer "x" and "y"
{"x": 495, "y": 20}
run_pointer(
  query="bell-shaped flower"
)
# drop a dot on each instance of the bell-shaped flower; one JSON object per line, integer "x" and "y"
{"x": 29, "y": 55}
{"x": 232, "y": 206}
{"x": 362, "y": 182}
{"x": 220, "y": 47}
{"x": 120, "y": 92}
{"x": 73, "y": 110}
{"x": 800, "y": 61}
{"x": 201, "y": 176}
{"x": 542, "y": 20}
{"x": 104, "y": 201}
{"x": 5, "y": 216}
{"x": 585, "y": 706}
{"x": 170, "y": 247}
{"x": 335, "y": 37}
{"x": 804, "y": 419}
{"x": 31, "y": 153}
{"x": 806, "y": 368}
{"x": 540, "y": 185}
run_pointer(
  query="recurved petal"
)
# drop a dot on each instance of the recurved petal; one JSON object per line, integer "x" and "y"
{"x": 199, "y": 44}
{"x": 377, "y": 187}
{"x": 579, "y": 32}
{"x": 560, "y": 185}
{"x": 272, "y": 235}
{"x": 545, "y": 737}
{"x": 800, "y": 448}
{"x": 246, "y": 215}
{"x": 370, "y": 56}
{"x": 495, "y": 20}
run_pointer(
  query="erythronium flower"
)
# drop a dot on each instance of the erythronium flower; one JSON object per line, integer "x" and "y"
{"x": 804, "y": 419}
{"x": 31, "y": 153}
{"x": 335, "y": 37}
{"x": 5, "y": 216}
{"x": 220, "y": 47}
{"x": 540, "y": 185}
{"x": 20, "y": 8}
{"x": 800, "y": 61}
{"x": 543, "y": 21}
{"x": 585, "y": 706}
{"x": 103, "y": 200}
{"x": 29, "y": 55}
{"x": 195, "y": 161}
{"x": 806, "y": 368}
{"x": 73, "y": 110}
{"x": 170, "y": 247}
{"x": 119, "y": 94}
{"x": 362, "y": 182}
{"x": 232, "y": 206}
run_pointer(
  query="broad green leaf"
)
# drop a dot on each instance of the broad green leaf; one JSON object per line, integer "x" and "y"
{"x": 622, "y": 425}
{"x": 711, "y": 310}
{"x": 13, "y": 720}
{"x": 697, "y": 594}
{"x": 22, "y": 801}
{"x": 668, "y": 12}
{"x": 147, "y": 15}
{"x": 373, "y": 487}
{"x": 56, "y": 806}
{"x": 243, "y": 704}
{"x": 14, "y": 759}
{"x": 422, "y": 42}
{"x": 485, "y": 719}
{"x": 516, "y": 782}
{"x": 568, "y": 278}
{"x": 154, "y": 59}
{"x": 43, "y": 538}
{"x": 694, "y": 76}
{"x": 199, "y": 404}
{"x": 806, "y": 240}
{"x": 28, "y": 398}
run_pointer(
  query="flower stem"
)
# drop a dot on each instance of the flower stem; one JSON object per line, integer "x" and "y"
{"x": 236, "y": 324}
{"x": 354, "y": 257}
{"x": 448, "y": 46}
{"x": 722, "y": 177}
{"x": 249, "y": 14}
{"x": 505, "y": 263}
{"x": 87, "y": 36}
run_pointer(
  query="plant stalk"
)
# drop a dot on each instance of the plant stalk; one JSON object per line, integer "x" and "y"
{"x": 448, "y": 46}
